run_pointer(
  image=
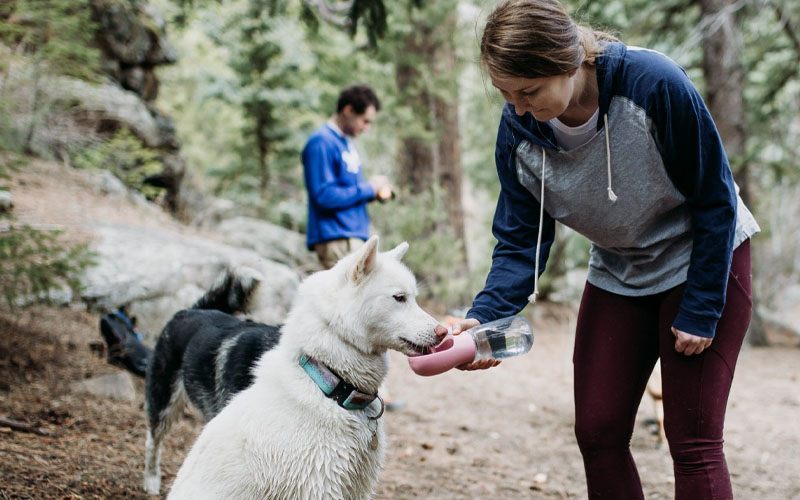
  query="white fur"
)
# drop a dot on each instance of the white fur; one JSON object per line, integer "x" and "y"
{"x": 282, "y": 439}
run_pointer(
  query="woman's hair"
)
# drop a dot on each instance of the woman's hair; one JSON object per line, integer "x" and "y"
{"x": 537, "y": 38}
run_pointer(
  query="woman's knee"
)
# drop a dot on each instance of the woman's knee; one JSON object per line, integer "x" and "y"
{"x": 693, "y": 456}
{"x": 598, "y": 432}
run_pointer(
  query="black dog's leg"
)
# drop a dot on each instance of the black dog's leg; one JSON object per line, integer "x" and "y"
{"x": 165, "y": 397}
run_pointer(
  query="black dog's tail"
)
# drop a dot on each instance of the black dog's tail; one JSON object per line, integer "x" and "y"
{"x": 233, "y": 292}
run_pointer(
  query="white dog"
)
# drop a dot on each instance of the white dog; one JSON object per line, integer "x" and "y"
{"x": 283, "y": 438}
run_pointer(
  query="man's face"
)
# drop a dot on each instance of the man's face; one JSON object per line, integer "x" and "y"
{"x": 354, "y": 124}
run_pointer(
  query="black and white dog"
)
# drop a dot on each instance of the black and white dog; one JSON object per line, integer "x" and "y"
{"x": 203, "y": 356}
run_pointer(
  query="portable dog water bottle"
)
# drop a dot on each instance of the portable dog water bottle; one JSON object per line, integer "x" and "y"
{"x": 502, "y": 338}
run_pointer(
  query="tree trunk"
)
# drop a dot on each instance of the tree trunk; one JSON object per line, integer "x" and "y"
{"x": 723, "y": 73}
{"x": 429, "y": 86}
{"x": 416, "y": 155}
{"x": 724, "y": 90}
{"x": 448, "y": 167}
{"x": 263, "y": 149}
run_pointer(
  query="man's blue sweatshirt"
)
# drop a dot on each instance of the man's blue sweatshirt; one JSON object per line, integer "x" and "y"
{"x": 337, "y": 191}
{"x": 652, "y": 190}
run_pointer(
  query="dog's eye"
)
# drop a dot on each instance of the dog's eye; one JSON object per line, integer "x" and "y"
{"x": 399, "y": 297}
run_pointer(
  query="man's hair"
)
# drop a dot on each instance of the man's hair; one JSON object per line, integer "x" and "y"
{"x": 360, "y": 97}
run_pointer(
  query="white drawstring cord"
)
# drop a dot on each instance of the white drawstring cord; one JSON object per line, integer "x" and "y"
{"x": 532, "y": 297}
{"x": 611, "y": 195}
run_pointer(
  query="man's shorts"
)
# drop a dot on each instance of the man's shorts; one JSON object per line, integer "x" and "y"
{"x": 329, "y": 252}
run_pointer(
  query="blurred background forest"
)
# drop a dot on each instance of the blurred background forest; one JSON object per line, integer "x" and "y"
{"x": 220, "y": 95}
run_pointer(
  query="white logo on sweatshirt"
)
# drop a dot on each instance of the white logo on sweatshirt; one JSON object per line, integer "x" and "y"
{"x": 351, "y": 159}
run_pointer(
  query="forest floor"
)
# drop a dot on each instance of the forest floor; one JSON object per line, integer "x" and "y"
{"x": 503, "y": 433}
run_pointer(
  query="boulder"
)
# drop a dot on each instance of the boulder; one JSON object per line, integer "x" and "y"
{"x": 156, "y": 272}
{"x": 269, "y": 241}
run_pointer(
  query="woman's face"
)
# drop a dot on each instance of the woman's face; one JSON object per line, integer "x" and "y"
{"x": 545, "y": 98}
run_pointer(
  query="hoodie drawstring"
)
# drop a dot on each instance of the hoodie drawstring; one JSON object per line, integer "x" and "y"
{"x": 611, "y": 196}
{"x": 532, "y": 297}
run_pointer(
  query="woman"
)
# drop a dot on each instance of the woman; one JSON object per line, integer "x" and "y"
{"x": 617, "y": 144}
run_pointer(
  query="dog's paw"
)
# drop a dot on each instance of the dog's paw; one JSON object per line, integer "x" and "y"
{"x": 152, "y": 485}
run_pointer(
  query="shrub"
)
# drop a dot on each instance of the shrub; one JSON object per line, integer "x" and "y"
{"x": 33, "y": 262}
{"x": 126, "y": 157}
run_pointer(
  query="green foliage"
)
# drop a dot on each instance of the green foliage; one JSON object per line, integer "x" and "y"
{"x": 58, "y": 33}
{"x": 126, "y": 157}
{"x": 434, "y": 254}
{"x": 32, "y": 262}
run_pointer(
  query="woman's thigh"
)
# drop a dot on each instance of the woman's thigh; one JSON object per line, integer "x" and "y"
{"x": 616, "y": 346}
{"x": 696, "y": 387}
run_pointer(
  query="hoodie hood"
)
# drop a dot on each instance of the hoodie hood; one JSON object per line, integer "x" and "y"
{"x": 541, "y": 133}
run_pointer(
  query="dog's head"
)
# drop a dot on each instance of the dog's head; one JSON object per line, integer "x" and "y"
{"x": 369, "y": 300}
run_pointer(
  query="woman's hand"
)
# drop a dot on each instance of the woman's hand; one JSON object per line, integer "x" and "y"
{"x": 465, "y": 324}
{"x": 690, "y": 344}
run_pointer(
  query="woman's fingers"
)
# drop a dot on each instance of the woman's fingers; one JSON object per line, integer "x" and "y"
{"x": 481, "y": 364}
{"x": 689, "y": 344}
{"x": 464, "y": 324}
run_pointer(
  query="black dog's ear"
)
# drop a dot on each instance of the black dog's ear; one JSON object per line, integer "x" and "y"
{"x": 367, "y": 256}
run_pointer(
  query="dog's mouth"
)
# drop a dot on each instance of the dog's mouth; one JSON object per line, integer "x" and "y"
{"x": 416, "y": 349}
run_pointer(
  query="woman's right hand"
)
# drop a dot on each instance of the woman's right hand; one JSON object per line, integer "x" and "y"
{"x": 482, "y": 364}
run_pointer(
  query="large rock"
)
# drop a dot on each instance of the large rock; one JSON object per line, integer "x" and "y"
{"x": 270, "y": 241}
{"x": 158, "y": 272}
{"x": 132, "y": 37}
{"x": 94, "y": 111}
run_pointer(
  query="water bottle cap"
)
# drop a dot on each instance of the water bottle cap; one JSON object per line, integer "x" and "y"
{"x": 452, "y": 351}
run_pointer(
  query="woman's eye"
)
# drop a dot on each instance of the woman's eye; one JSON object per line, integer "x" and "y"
{"x": 399, "y": 297}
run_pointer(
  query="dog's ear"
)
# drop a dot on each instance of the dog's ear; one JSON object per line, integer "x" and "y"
{"x": 398, "y": 251}
{"x": 365, "y": 263}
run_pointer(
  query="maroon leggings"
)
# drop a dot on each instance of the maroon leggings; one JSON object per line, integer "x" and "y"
{"x": 618, "y": 341}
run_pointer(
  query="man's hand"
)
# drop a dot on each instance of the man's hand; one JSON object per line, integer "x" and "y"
{"x": 379, "y": 182}
{"x": 690, "y": 344}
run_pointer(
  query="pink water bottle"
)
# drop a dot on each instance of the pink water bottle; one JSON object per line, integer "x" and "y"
{"x": 502, "y": 338}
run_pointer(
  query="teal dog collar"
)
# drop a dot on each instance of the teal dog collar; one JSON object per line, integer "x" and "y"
{"x": 346, "y": 395}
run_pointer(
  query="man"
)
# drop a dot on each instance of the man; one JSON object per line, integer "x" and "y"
{"x": 338, "y": 222}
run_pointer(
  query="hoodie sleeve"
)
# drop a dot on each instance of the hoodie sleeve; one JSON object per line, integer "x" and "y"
{"x": 323, "y": 188}
{"x": 515, "y": 226}
{"x": 695, "y": 160}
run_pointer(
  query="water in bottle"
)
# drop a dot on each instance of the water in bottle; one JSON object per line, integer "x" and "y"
{"x": 499, "y": 339}
{"x": 502, "y": 338}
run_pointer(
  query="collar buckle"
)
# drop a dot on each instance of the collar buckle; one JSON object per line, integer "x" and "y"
{"x": 334, "y": 387}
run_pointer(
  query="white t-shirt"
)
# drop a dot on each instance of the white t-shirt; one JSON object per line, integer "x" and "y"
{"x": 570, "y": 138}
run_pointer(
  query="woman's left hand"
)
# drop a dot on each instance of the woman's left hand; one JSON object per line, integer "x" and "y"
{"x": 690, "y": 344}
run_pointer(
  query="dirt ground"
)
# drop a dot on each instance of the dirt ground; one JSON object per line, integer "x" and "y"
{"x": 504, "y": 433}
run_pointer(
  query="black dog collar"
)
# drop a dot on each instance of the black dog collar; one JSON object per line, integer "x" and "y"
{"x": 346, "y": 395}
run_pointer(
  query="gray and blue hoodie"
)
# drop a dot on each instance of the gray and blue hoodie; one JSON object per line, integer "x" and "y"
{"x": 652, "y": 190}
